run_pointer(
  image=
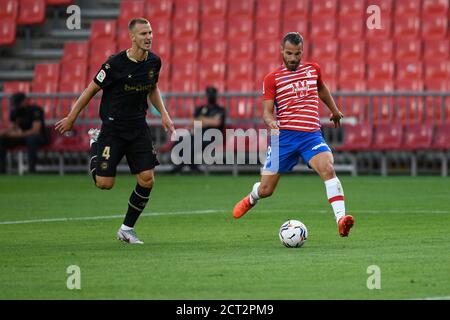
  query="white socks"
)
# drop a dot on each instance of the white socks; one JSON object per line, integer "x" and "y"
{"x": 335, "y": 195}
{"x": 254, "y": 196}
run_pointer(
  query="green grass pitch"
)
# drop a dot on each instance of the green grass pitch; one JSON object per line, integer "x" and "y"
{"x": 194, "y": 249}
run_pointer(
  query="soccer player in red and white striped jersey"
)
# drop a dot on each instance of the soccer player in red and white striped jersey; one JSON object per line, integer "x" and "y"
{"x": 293, "y": 90}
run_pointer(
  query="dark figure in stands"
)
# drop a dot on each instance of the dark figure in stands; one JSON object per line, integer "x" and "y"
{"x": 211, "y": 116}
{"x": 27, "y": 128}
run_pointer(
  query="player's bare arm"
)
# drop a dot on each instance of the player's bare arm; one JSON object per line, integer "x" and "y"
{"x": 65, "y": 124}
{"x": 155, "y": 98}
{"x": 325, "y": 96}
{"x": 268, "y": 116}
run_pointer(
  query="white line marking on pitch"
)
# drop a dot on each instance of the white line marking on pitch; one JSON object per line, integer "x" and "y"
{"x": 149, "y": 214}
{"x": 109, "y": 217}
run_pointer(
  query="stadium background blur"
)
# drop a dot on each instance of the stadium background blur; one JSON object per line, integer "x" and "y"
{"x": 392, "y": 84}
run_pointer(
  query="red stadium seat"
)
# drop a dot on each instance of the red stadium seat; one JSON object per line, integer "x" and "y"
{"x": 323, "y": 9}
{"x": 241, "y": 9}
{"x": 417, "y": 137}
{"x": 380, "y": 51}
{"x": 434, "y": 26}
{"x": 381, "y": 71}
{"x": 262, "y": 68}
{"x": 407, "y": 8}
{"x": 212, "y": 74}
{"x": 437, "y": 70}
{"x": 322, "y": 50}
{"x": 213, "y": 50}
{"x": 380, "y": 85}
{"x": 240, "y": 77}
{"x": 408, "y": 49}
{"x": 294, "y": 24}
{"x": 267, "y": 28}
{"x": 435, "y": 7}
{"x": 441, "y": 140}
{"x": 185, "y": 28}
{"x": 239, "y": 28}
{"x": 7, "y": 31}
{"x": 164, "y": 77}
{"x": 329, "y": 71}
{"x": 184, "y": 85}
{"x": 267, "y": 50}
{"x": 387, "y": 137}
{"x": 382, "y": 106}
{"x": 123, "y": 41}
{"x": 75, "y": 71}
{"x": 72, "y": 87}
{"x": 185, "y": 50}
{"x": 103, "y": 49}
{"x": 409, "y": 85}
{"x": 411, "y": 70}
{"x": 128, "y": 11}
{"x": 407, "y": 26}
{"x": 162, "y": 28}
{"x": 187, "y": 9}
{"x": 352, "y": 70}
{"x": 352, "y": 50}
{"x": 103, "y": 29}
{"x": 31, "y": 12}
{"x": 437, "y": 85}
{"x": 351, "y": 28}
{"x": 160, "y": 9}
{"x": 183, "y": 70}
{"x": 436, "y": 49}
{"x": 298, "y": 9}
{"x": 269, "y": 9}
{"x": 163, "y": 48}
{"x": 240, "y": 50}
{"x": 46, "y": 72}
{"x": 352, "y": 85}
{"x": 384, "y": 33}
{"x": 349, "y": 9}
{"x": 9, "y": 9}
{"x": 214, "y": 8}
{"x": 16, "y": 86}
{"x": 240, "y": 86}
{"x": 213, "y": 29}
{"x": 357, "y": 137}
{"x": 75, "y": 50}
{"x": 326, "y": 29}
{"x": 46, "y": 87}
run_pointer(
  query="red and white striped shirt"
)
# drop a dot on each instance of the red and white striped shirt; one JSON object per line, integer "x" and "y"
{"x": 296, "y": 97}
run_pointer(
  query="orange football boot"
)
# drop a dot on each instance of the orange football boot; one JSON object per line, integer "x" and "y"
{"x": 345, "y": 224}
{"x": 242, "y": 207}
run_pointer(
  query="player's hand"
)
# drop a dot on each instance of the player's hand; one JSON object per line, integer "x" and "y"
{"x": 168, "y": 124}
{"x": 336, "y": 118}
{"x": 274, "y": 128}
{"x": 64, "y": 125}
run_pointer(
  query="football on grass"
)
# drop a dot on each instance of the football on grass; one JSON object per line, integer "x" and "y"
{"x": 293, "y": 234}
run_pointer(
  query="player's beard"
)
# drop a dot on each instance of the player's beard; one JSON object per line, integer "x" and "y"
{"x": 291, "y": 66}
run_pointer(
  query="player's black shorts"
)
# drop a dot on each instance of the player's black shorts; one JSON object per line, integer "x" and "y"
{"x": 136, "y": 145}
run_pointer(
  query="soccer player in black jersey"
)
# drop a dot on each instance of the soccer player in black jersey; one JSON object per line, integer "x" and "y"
{"x": 127, "y": 79}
